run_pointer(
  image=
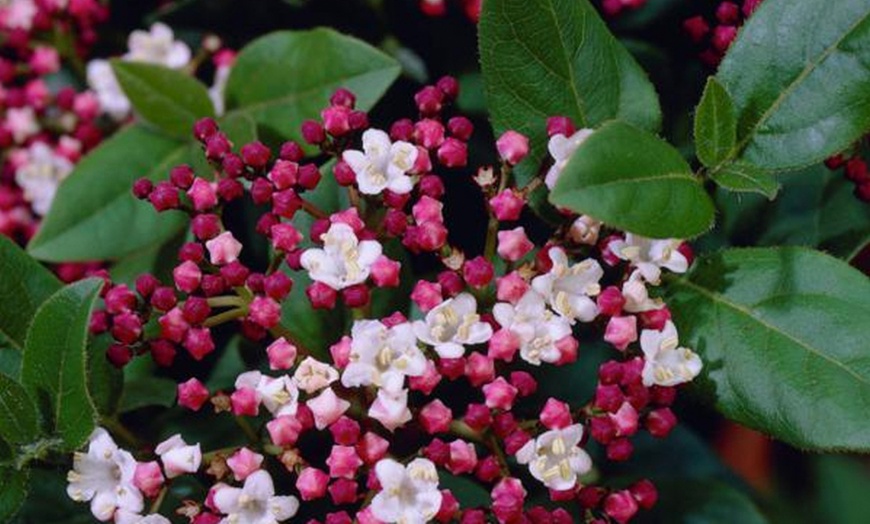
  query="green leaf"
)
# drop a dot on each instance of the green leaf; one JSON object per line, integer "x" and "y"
{"x": 842, "y": 484}
{"x": 543, "y": 58}
{"x": 105, "y": 381}
{"x": 745, "y": 177}
{"x": 715, "y": 124}
{"x": 470, "y": 494}
{"x": 783, "y": 335}
{"x": 54, "y": 369}
{"x": 633, "y": 180}
{"x": 95, "y": 215}
{"x": 47, "y": 501}
{"x": 19, "y": 422}
{"x": 703, "y": 501}
{"x": 166, "y": 98}
{"x": 148, "y": 391}
{"x": 14, "y": 485}
{"x": 25, "y": 285}
{"x": 275, "y": 80}
{"x": 797, "y": 74}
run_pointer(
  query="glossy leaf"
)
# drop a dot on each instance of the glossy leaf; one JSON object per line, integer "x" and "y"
{"x": 783, "y": 336}
{"x": 24, "y": 286}
{"x": 18, "y": 416}
{"x": 745, "y": 177}
{"x": 275, "y": 80}
{"x": 633, "y": 180}
{"x": 799, "y": 80}
{"x": 14, "y": 485}
{"x": 543, "y": 58}
{"x": 95, "y": 216}
{"x": 715, "y": 124}
{"x": 147, "y": 391}
{"x": 167, "y": 98}
{"x": 54, "y": 368}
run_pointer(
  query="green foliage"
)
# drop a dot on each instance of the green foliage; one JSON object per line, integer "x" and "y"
{"x": 166, "y": 98}
{"x": 715, "y": 124}
{"x": 95, "y": 216}
{"x": 633, "y": 180}
{"x": 15, "y": 484}
{"x": 18, "y": 415}
{"x": 703, "y": 502}
{"x": 276, "y": 81}
{"x": 54, "y": 368}
{"x": 745, "y": 177}
{"x": 543, "y": 58}
{"x": 147, "y": 391}
{"x": 783, "y": 338}
{"x": 797, "y": 75}
{"x": 23, "y": 288}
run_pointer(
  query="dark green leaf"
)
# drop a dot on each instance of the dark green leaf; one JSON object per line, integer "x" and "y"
{"x": 799, "y": 79}
{"x": 783, "y": 335}
{"x": 19, "y": 423}
{"x": 24, "y": 286}
{"x": 14, "y": 484}
{"x": 167, "y": 98}
{"x": 95, "y": 216}
{"x": 54, "y": 369}
{"x": 633, "y": 180}
{"x": 842, "y": 484}
{"x": 276, "y": 81}
{"x": 715, "y": 124}
{"x": 543, "y": 58}
{"x": 48, "y": 503}
{"x": 470, "y": 494}
{"x": 148, "y": 391}
{"x": 745, "y": 177}
{"x": 694, "y": 501}
{"x": 105, "y": 381}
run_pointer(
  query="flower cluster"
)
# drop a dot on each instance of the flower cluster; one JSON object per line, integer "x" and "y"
{"x": 714, "y": 41}
{"x": 455, "y": 385}
{"x": 855, "y": 168}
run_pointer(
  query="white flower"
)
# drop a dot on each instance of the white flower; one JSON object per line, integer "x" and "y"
{"x": 408, "y": 494}
{"x": 19, "y": 14}
{"x": 561, "y": 148}
{"x": 537, "y": 327}
{"x": 104, "y": 476}
{"x": 125, "y": 517}
{"x": 453, "y": 324}
{"x": 382, "y": 356}
{"x": 568, "y": 288}
{"x": 665, "y": 363}
{"x": 255, "y": 503}
{"x": 157, "y": 46}
{"x": 391, "y": 408}
{"x": 22, "y": 123}
{"x": 177, "y": 457}
{"x": 40, "y": 177}
{"x": 344, "y": 260}
{"x": 101, "y": 79}
{"x": 216, "y": 91}
{"x": 556, "y": 458}
{"x": 312, "y": 375}
{"x": 280, "y": 395}
{"x": 637, "y": 299}
{"x": 382, "y": 164}
{"x": 649, "y": 255}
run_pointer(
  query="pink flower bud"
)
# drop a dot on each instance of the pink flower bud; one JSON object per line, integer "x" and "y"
{"x": 478, "y": 272}
{"x": 463, "y": 458}
{"x": 610, "y": 301}
{"x": 449, "y": 507}
{"x": 198, "y": 342}
{"x": 223, "y": 249}
{"x": 625, "y": 420}
{"x": 356, "y": 296}
{"x": 620, "y": 506}
{"x": 327, "y": 408}
{"x": 340, "y": 352}
{"x": 568, "y": 347}
{"x": 321, "y": 295}
{"x": 120, "y": 299}
{"x": 660, "y": 422}
{"x": 556, "y": 414}
{"x": 645, "y": 493}
{"x": 245, "y": 402}
{"x": 426, "y": 382}
{"x": 449, "y": 86}
{"x": 655, "y": 318}
{"x": 187, "y": 277}
{"x": 312, "y": 483}
{"x": 500, "y": 394}
{"x": 609, "y": 397}
{"x": 256, "y": 154}
{"x": 506, "y": 205}
{"x": 460, "y": 127}
{"x": 453, "y": 368}
{"x": 344, "y": 491}
{"x": 284, "y": 430}
{"x": 722, "y": 37}
{"x": 453, "y": 153}
{"x": 508, "y": 497}
{"x": 282, "y": 354}
{"x": 182, "y": 176}
{"x": 336, "y": 120}
{"x": 372, "y": 447}
{"x": 512, "y": 147}
{"x": 429, "y": 133}
{"x": 203, "y": 194}
{"x": 696, "y": 27}
{"x": 429, "y": 100}
{"x": 426, "y": 295}
{"x": 385, "y": 272}
{"x": 435, "y": 417}
{"x": 514, "y": 244}
{"x": 345, "y": 431}
{"x": 284, "y": 174}
{"x": 560, "y": 125}
{"x": 427, "y": 208}
{"x": 178, "y": 458}
{"x": 244, "y": 462}
{"x": 479, "y": 369}
{"x": 173, "y": 326}
{"x": 148, "y": 478}
{"x": 511, "y": 287}
{"x": 503, "y": 345}
{"x": 44, "y": 60}
{"x": 192, "y": 394}
{"x": 277, "y": 285}
{"x": 265, "y": 312}
{"x": 343, "y": 462}
{"x": 621, "y": 331}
